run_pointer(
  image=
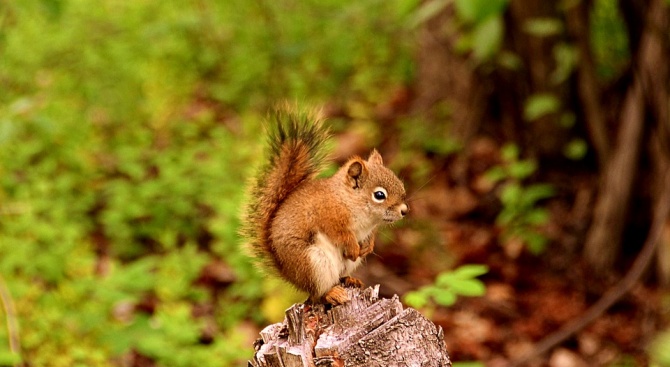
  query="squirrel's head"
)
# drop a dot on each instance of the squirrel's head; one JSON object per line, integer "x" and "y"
{"x": 376, "y": 188}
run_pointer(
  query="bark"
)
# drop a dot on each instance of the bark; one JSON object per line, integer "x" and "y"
{"x": 662, "y": 164}
{"x": 658, "y": 86}
{"x": 367, "y": 331}
{"x": 603, "y": 240}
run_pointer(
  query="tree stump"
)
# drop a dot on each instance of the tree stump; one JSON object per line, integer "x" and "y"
{"x": 367, "y": 331}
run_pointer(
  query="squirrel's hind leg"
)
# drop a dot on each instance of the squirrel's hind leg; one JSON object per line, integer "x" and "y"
{"x": 351, "y": 282}
{"x": 336, "y": 296}
{"x": 326, "y": 264}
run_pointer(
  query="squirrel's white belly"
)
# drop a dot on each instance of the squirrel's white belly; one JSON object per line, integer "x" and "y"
{"x": 328, "y": 263}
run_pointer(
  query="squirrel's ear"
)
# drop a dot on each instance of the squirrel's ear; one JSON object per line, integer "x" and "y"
{"x": 356, "y": 173}
{"x": 375, "y": 158}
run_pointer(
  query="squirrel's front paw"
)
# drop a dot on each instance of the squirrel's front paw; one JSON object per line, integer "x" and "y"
{"x": 352, "y": 252}
{"x": 365, "y": 251}
{"x": 336, "y": 296}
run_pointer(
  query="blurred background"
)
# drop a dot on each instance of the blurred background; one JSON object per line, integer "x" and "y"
{"x": 532, "y": 137}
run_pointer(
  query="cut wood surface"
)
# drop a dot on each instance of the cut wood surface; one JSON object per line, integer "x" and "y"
{"x": 367, "y": 331}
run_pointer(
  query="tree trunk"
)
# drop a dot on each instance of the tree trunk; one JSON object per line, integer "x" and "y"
{"x": 367, "y": 331}
{"x": 445, "y": 76}
{"x": 603, "y": 241}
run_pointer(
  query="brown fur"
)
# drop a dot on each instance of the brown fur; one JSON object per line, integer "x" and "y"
{"x": 313, "y": 232}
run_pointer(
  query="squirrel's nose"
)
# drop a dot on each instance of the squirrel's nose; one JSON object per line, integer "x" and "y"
{"x": 404, "y": 209}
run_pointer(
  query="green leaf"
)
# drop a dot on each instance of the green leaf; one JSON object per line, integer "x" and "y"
{"x": 537, "y": 217}
{"x": 487, "y": 37}
{"x": 506, "y": 217}
{"x": 509, "y": 60}
{"x": 468, "y": 364}
{"x": 444, "y": 297}
{"x": 470, "y": 271}
{"x": 474, "y": 11}
{"x": 426, "y": 11}
{"x": 8, "y": 358}
{"x": 576, "y": 149}
{"x": 463, "y": 44}
{"x": 522, "y": 169}
{"x": 440, "y": 146}
{"x": 566, "y": 57}
{"x": 468, "y": 287}
{"x": 534, "y": 193}
{"x": 415, "y": 299}
{"x": 406, "y": 7}
{"x": 495, "y": 174}
{"x": 444, "y": 279}
{"x": 511, "y": 193}
{"x": 659, "y": 349}
{"x": 535, "y": 242}
{"x": 543, "y": 27}
{"x": 539, "y": 105}
{"x": 509, "y": 152}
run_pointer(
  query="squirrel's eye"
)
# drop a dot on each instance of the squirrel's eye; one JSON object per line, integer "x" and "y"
{"x": 379, "y": 195}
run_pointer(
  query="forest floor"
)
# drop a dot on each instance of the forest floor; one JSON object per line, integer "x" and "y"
{"x": 528, "y": 296}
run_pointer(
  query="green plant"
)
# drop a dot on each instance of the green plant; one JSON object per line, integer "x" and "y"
{"x": 468, "y": 364}
{"x": 481, "y": 23}
{"x": 659, "y": 351}
{"x": 520, "y": 216}
{"x": 448, "y": 286}
{"x": 609, "y": 40}
{"x": 127, "y": 131}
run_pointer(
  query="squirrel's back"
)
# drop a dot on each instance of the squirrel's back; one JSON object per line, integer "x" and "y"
{"x": 296, "y": 154}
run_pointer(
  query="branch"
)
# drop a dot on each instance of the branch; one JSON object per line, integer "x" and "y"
{"x": 603, "y": 239}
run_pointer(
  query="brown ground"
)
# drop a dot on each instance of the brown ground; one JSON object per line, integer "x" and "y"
{"x": 528, "y": 296}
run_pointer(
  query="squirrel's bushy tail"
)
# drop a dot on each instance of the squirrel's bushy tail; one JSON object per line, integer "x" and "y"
{"x": 296, "y": 154}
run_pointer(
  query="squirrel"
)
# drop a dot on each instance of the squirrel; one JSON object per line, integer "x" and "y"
{"x": 314, "y": 232}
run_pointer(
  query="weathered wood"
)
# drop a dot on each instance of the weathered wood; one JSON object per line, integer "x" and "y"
{"x": 367, "y": 331}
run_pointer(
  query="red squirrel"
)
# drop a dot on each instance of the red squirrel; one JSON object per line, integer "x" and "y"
{"x": 314, "y": 232}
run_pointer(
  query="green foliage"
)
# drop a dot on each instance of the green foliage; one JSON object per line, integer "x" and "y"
{"x": 484, "y": 26}
{"x": 566, "y": 57}
{"x": 448, "y": 286}
{"x": 481, "y": 22}
{"x": 428, "y": 137}
{"x": 576, "y": 149}
{"x": 539, "y": 105}
{"x": 127, "y": 131}
{"x": 543, "y": 27}
{"x": 476, "y": 11}
{"x": 624, "y": 360}
{"x": 468, "y": 364}
{"x": 520, "y": 216}
{"x": 427, "y": 10}
{"x": 609, "y": 39}
{"x": 659, "y": 351}
{"x": 487, "y": 38}
{"x": 418, "y": 137}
